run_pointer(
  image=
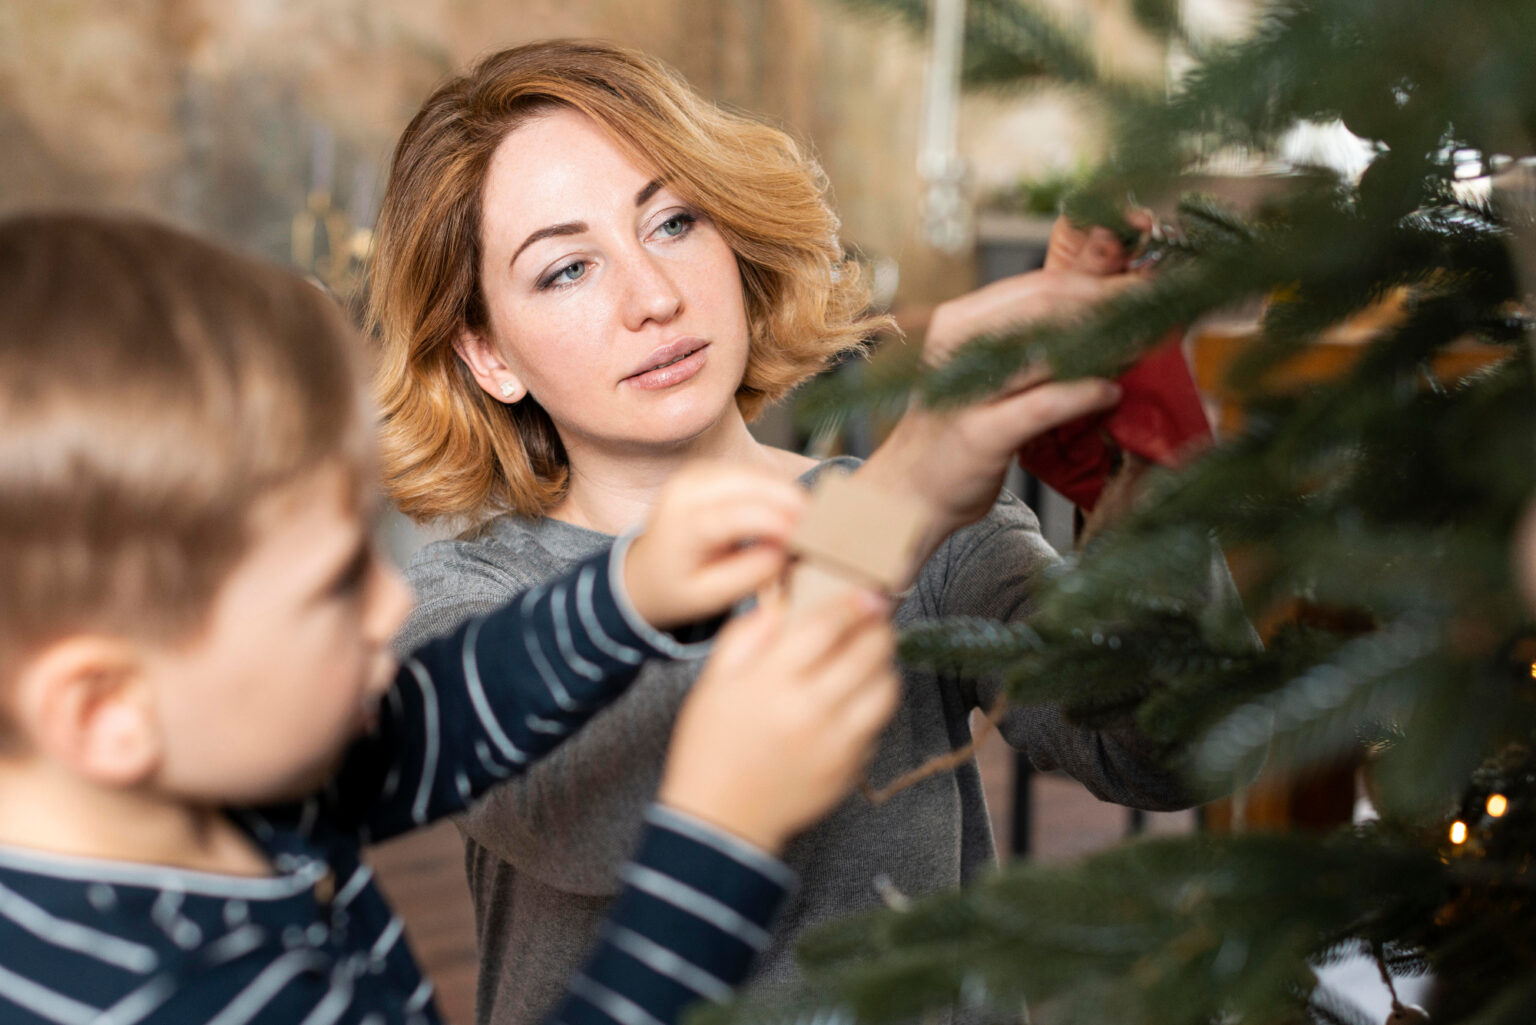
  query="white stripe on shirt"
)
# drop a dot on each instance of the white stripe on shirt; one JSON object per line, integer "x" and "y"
{"x": 307, "y": 818}
{"x": 420, "y": 997}
{"x": 335, "y": 1002}
{"x": 234, "y": 944}
{"x": 161, "y": 877}
{"x": 565, "y": 641}
{"x": 549, "y": 727}
{"x": 142, "y": 1002}
{"x": 662, "y": 642}
{"x": 491, "y": 765}
{"x": 668, "y": 962}
{"x": 249, "y": 1001}
{"x": 477, "y": 698}
{"x": 166, "y": 913}
{"x": 43, "y": 1001}
{"x": 738, "y": 850}
{"x": 133, "y": 957}
{"x": 387, "y": 939}
{"x": 546, "y": 671}
{"x": 700, "y": 905}
{"x": 587, "y": 613}
{"x": 432, "y": 731}
{"x": 619, "y": 1008}
{"x": 353, "y": 886}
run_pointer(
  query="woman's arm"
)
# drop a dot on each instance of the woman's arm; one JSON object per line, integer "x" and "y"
{"x": 992, "y": 569}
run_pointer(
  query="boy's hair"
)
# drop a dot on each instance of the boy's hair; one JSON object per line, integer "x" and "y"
{"x": 153, "y": 387}
{"x": 451, "y": 450}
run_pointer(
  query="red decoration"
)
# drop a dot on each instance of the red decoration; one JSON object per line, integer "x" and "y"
{"x": 1159, "y": 418}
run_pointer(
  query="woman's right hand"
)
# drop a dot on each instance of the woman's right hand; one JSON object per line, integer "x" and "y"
{"x": 782, "y": 720}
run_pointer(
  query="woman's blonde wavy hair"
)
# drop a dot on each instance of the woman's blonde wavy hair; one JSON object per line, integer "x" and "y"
{"x": 451, "y": 450}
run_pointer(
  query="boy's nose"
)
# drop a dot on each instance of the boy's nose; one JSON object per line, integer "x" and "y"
{"x": 390, "y": 602}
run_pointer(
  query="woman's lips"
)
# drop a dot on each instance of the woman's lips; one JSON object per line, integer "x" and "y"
{"x": 679, "y": 369}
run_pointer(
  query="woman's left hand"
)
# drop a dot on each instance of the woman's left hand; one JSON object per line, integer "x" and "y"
{"x": 955, "y": 460}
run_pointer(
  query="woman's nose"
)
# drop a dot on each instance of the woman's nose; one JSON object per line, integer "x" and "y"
{"x": 652, "y": 295}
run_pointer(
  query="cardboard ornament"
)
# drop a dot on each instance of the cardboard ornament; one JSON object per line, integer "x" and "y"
{"x": 852, "y": 536}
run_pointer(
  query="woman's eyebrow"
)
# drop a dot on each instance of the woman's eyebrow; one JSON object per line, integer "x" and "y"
{"x": 651, "y": 188}
{"x": 553, "y": 231}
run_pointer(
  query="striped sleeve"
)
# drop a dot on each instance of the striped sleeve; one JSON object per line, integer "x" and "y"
{"x": 696, "y": 908}
{"x": 475, "y": 707}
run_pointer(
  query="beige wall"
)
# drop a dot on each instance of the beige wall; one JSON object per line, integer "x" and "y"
{"x": 216, "y": 112}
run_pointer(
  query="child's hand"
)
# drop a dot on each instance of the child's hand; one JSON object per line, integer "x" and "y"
{"x": 781, "y": 721}
{"x": 716, "y": 534}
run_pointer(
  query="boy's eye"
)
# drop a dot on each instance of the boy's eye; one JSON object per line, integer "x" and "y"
{"x": 352, "y": 577}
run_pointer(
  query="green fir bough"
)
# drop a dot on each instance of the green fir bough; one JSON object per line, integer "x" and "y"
{"x": 1387, "y": 496}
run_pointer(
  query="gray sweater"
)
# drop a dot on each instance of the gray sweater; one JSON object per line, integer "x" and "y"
{"x": 543, "y": 852}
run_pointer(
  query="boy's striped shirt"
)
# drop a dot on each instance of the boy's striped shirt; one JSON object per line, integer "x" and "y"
{"x": 87, "y": 941}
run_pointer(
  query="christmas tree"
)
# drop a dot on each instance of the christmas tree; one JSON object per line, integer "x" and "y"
{"x": 1373, "y": 513}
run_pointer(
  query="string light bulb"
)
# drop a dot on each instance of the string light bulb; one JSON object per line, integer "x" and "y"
{"x": 1458, "y": 832}
{"x": 1498, "y": 804}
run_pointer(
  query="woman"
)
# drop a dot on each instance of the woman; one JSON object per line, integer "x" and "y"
{"x": 587, "y": 276}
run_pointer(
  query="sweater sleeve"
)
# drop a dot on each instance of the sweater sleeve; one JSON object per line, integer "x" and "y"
{"x": 477, "y": 706}
{"x": 992, "y": 569}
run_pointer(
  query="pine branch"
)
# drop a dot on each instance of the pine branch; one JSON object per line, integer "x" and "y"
{"x": 880, "y": 387}
{"x": 1319, "y": 713}
{"x": 1169, "y": 930}
{"x": 1007, "y": 44}
{"x": 1377, "y": 509}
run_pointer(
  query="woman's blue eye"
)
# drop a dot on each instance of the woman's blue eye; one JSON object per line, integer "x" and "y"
{"x": 675, "y": 225}
{"x": 566, "y": 275}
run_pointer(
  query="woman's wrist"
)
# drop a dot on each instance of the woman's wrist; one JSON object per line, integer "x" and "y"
{"x": 902, "y": 465}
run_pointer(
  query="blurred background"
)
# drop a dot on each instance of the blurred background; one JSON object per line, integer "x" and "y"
{"x": 268, "y": 124}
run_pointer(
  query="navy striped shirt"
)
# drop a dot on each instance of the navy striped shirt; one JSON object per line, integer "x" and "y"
{"x": 115, "y": 943}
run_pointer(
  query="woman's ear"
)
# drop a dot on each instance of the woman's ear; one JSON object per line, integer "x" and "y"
{"x": 84, "y": 703}
{"x": 488, "y": 367}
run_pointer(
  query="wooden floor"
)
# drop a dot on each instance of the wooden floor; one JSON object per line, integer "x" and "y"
{"x": 424, "y": 873}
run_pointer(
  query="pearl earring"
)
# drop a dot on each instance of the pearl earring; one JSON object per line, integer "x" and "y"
{"x": 508, "y": 389}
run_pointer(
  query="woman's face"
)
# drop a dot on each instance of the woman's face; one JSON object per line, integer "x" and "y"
{"x": 612, "y": 302}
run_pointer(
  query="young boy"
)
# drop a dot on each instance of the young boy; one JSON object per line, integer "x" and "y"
{"x": 200, "y": 720}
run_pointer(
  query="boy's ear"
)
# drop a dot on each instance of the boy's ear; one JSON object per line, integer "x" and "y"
{"x": 85, "y": 704}
{"x": 489, "y": 367}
